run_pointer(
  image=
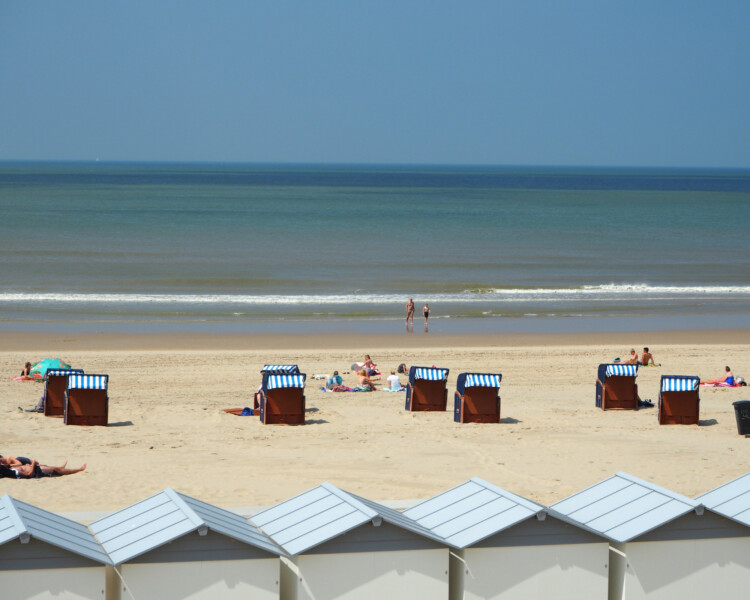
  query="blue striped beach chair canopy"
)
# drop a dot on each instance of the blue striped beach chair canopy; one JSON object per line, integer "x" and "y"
{"x": 286, "y": 381}
{"x": 88, "y": 382}
{"x": 622, "y": 370}
{"x": 280, "y": 369}
{"x": 679, "y": 383}
{"x": 468, "y": 380}
{"x": 428, "y": 373}
{"x": 62, "y": 372}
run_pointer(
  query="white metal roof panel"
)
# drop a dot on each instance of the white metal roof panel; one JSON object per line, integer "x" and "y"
{"x": 165, "y": 517}
{"x": 471, "y": 512}
{"x": 21, "y": 520}
{"x": 731, "y": 500}
{"x": 312, "y": 518}
{"x": 623, "y": 507}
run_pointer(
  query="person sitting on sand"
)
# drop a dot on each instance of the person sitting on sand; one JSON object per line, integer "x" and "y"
{"x": 394, "y": 383}
{"x": 632, "y": 359}
{"x": 647, "y": 358}
{"x": 334, "y": 380}
{"x": 728, "y": 378}
{"x": 365, "y": 384}
{"x": 26, "y": 370}
{"x": 27, "y": 468}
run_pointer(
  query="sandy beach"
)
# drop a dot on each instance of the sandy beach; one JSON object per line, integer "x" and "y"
{"x": 167, "y": 427}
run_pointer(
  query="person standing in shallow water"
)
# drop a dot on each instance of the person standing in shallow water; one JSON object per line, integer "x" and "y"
{"x": 426, "y": 313}
{"x": 410, "y": 312}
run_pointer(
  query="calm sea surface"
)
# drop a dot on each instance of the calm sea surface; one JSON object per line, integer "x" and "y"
{"x": 160, "y": 246}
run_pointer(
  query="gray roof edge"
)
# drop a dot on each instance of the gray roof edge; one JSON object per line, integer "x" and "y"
{"x": 727, "y": 516}
{"x": 662, "y": 524}
{"x": 587, "y": 488}
{"x": 718, "y": 487}
{"x": 194, "y": 517}
{"x": 566, "y": 519}
{"x": 530, "y": 504}
{"x": 658, "y": 488}
{"x": 349, "y": 499}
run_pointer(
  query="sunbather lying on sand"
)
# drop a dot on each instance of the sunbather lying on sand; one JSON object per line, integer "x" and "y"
{"x": 26, "y": 468}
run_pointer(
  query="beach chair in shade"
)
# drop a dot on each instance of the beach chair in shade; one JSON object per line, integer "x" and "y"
{"x": 282, "y": 399}
{"x": 476, "y": 399}
{"x": 86, "y": 400}
{"x": 616, "y": 388}
{"x": 427, "y": 389}
{"x": 679, "y": 403}
{"x": 274, "y": 370}
{"x": 55, "y": 384}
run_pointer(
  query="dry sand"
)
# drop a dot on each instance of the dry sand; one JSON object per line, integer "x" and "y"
{"x": 167, "y": 427}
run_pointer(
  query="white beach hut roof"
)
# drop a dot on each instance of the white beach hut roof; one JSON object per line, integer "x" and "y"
{"x": 324, "y": 513}
{"x": 624, "y": 507}
{"x": 472, "y": 512}
{"x": 731, "y": 500}
{"x": 22, "y": 521}
{"x": 166, "y": 516}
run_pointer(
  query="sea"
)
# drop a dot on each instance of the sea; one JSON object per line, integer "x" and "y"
{"x": 222, "y": 248}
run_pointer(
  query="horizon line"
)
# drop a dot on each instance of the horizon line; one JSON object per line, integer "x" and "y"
{"x": 90, "y": 161}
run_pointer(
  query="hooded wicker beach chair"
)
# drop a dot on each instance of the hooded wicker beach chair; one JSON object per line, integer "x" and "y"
{"x": 616, "y": 388}
{"x": 427, "y": 389}
{"x": 55, "y": 384}
{"x": 679, "y": 403}
{"x": 282, "y": 399}
{"x": 476, "y": 399}
{"x": 86, "y": 400}
{"x": 274, "y": 370}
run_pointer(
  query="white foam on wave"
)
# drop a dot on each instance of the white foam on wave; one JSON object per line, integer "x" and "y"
{"x": 589, "y": 292}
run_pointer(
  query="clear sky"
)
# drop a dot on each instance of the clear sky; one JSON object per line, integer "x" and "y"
{"x": 631, "y": 83}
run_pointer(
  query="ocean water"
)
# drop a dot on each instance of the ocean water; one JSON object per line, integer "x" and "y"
{"x": 241, "y": 247}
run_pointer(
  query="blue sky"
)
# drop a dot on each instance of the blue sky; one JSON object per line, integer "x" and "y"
{"x": 504, "y": 82}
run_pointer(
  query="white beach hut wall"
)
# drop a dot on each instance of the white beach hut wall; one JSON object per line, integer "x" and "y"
{"x": 728, "y": 544}
{"x": 172, "y": 546}
{"x": 46, "y": 556}
{"x": 663, "y": 545}
{"x": 345, "y": 547}
{"x": 507, "y": 547}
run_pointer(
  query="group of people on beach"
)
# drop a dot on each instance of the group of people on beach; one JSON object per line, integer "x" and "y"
{"x": 367, "y": 375}
{"x": 20, "y": 467}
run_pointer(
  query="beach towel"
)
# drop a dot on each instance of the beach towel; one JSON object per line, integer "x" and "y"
{"x": 24, "y": 378}
{"x": 240, "y": 412}
{"x": 724, "y": 385}
{"x": 401, "y": 389}
{"x": 338, "y": 388}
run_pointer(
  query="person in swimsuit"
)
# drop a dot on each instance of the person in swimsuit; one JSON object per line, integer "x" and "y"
{"x": 410, "y": 312}
{"x": 26, "y": 370}
{"x": 426, "y": 313}
{"x": 632, "y": 359}
{"x": 727, "y": 379}
{"x": 647, "y": 358}
{"x": 27, "y": 468}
